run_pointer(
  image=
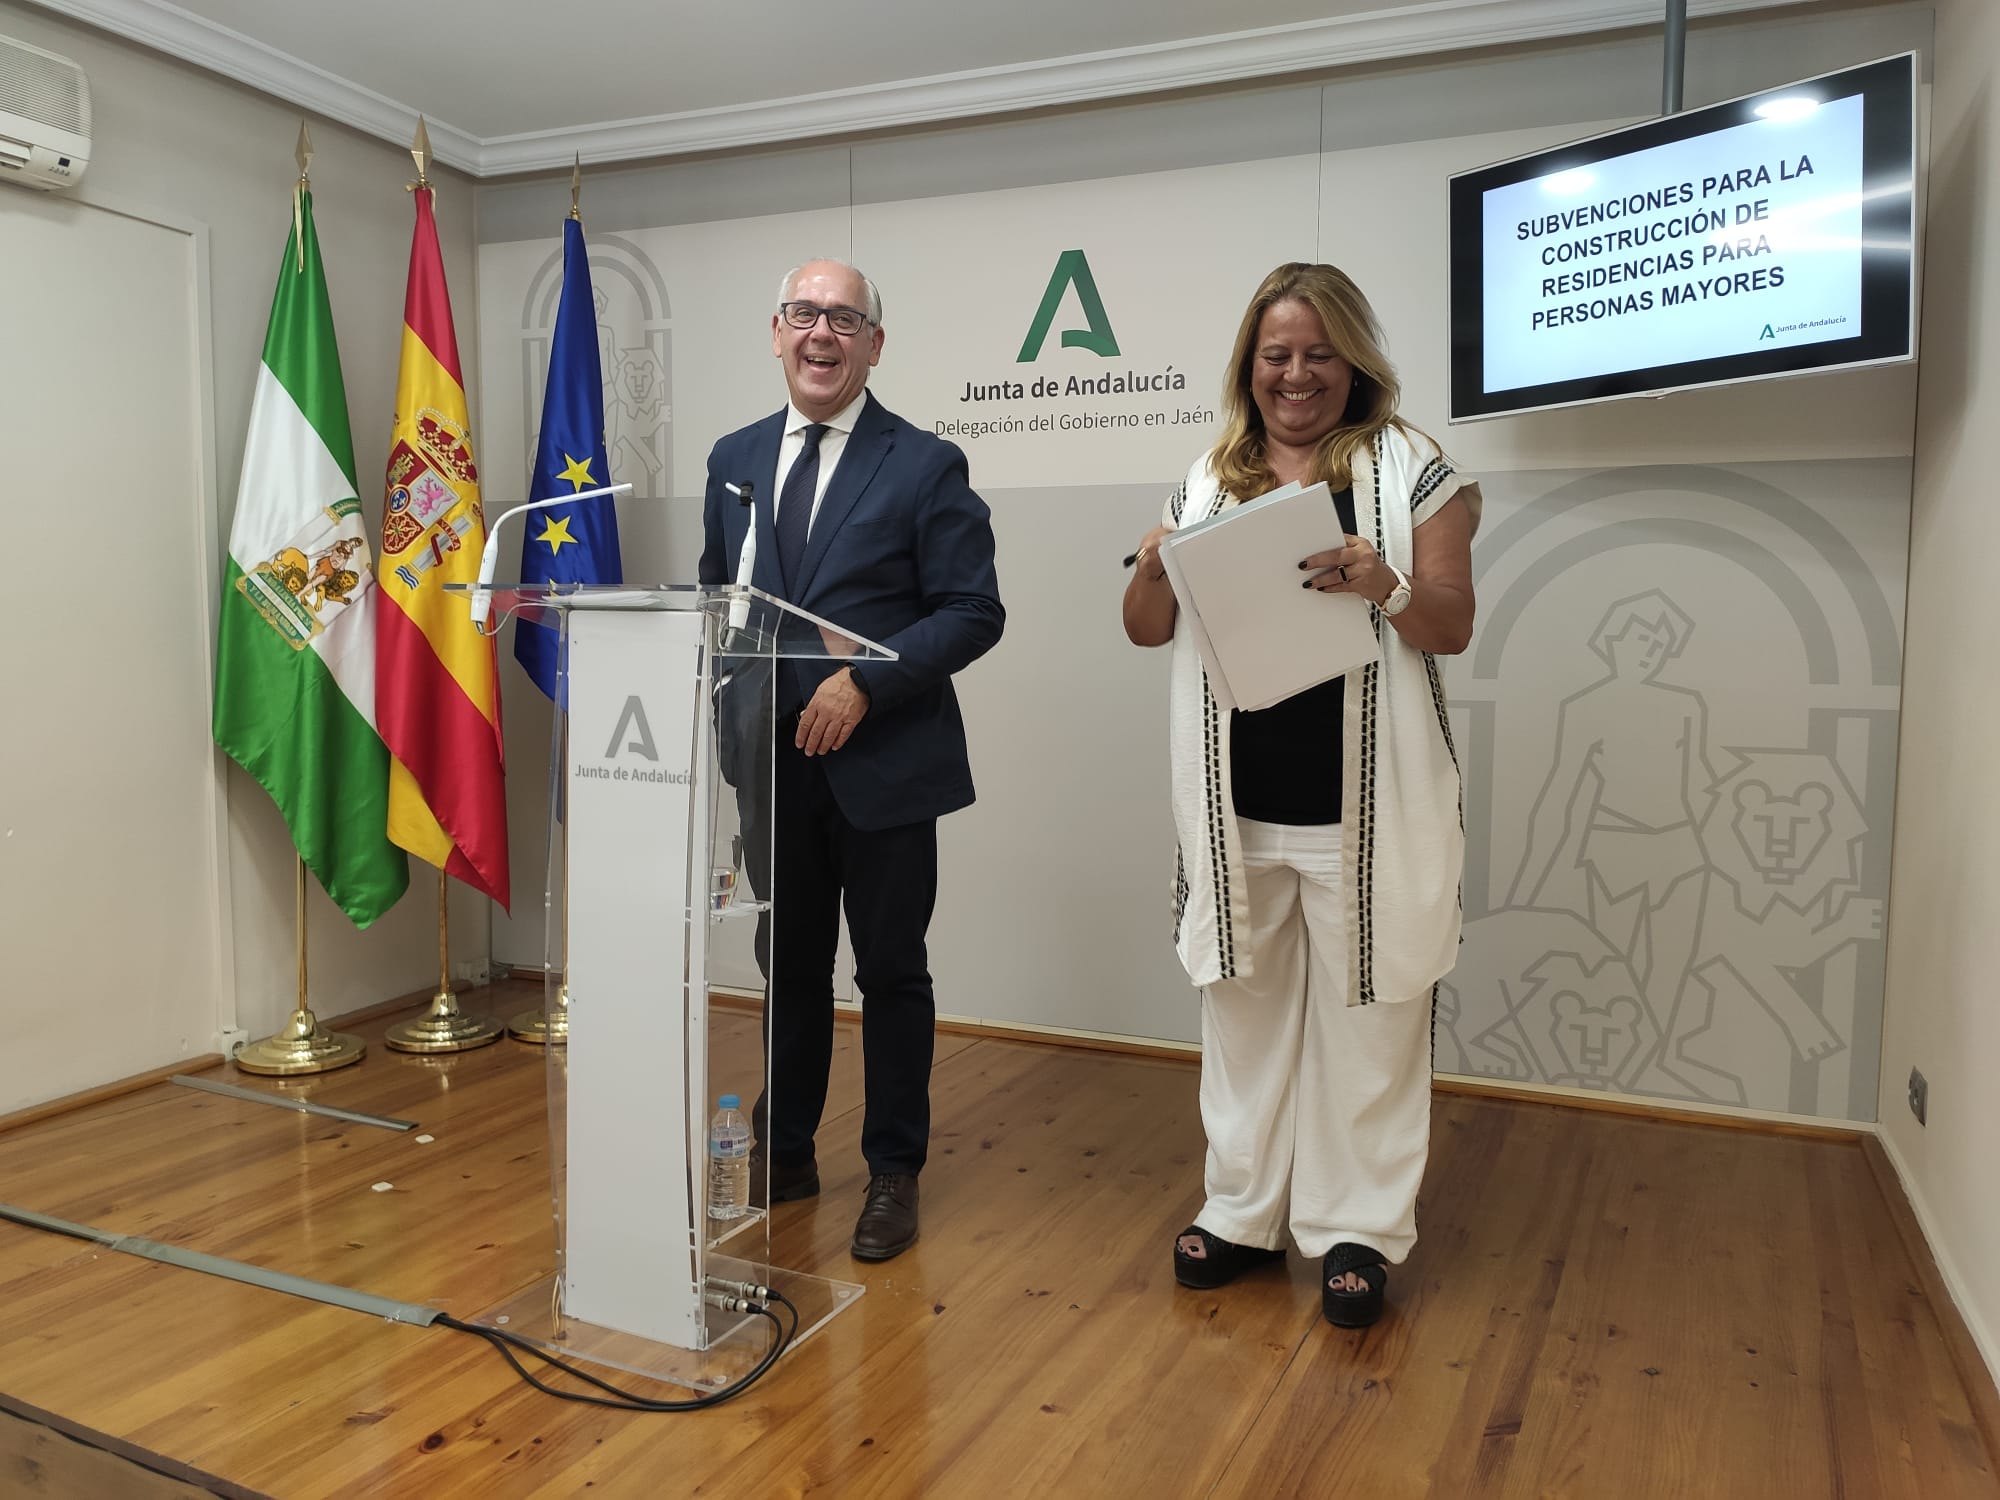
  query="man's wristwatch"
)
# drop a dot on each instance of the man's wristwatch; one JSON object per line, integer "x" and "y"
{"x": 1399, "y": 596}
{"x": 860, "y": 682}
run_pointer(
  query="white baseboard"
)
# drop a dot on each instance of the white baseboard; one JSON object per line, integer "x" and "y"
{"x": 1982, "y": 1336}
{"x": 1675, "y": 1106}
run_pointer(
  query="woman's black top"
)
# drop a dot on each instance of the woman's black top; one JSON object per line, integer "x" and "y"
{"x": 1285, "y": 759}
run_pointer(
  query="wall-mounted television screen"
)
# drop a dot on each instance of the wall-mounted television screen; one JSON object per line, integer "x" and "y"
{"x": 1765, "y": 237}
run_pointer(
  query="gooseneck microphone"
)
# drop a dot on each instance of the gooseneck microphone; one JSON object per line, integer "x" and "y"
{"x": 481, "y": 596}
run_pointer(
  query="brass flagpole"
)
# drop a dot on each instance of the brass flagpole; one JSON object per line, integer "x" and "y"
{"x": 444, "y": 1027}
{"x": 548, "y": 1024}
{"x": 300, "y": 1046}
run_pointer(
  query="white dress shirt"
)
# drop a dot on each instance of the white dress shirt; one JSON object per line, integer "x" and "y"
{"x": 832, "y": 443}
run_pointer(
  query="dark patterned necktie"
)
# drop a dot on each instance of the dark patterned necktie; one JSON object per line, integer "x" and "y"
{"x": 795, "y": 507}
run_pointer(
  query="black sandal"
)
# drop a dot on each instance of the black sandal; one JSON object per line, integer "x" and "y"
{"x": 1345, "y": 1309}
{"x": 1222, "y": 1263}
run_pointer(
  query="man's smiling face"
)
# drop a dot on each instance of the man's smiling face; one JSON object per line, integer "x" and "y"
{"x": 826, "y": 370}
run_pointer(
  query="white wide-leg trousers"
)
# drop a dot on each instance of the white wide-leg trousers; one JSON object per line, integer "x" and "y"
{"x": 1318, "y": 1114}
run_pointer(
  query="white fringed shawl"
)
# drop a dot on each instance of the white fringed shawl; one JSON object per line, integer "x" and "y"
{"x": 1402, "y": 836}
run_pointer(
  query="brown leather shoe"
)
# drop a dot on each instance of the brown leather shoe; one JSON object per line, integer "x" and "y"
{"x": 888, "y": 1223}
{"x": 788, "y": 1184}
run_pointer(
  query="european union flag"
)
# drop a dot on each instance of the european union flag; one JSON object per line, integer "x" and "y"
{"x": 569, "y": 543}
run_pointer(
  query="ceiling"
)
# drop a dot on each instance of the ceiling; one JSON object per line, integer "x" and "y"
{"x": 520, "y": 85}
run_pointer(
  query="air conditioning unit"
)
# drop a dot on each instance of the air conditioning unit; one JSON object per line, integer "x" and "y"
{"x": 44, "y": 117}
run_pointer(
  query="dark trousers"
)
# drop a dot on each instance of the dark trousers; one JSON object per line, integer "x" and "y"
{"x": 887, "y": 880}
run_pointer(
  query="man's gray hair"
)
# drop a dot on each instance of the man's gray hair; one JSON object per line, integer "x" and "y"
{"x": 874, "y": 308}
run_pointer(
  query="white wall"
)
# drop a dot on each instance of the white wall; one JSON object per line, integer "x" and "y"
{"x": 1944, "y": 948}
{"x": 177, "y": 143}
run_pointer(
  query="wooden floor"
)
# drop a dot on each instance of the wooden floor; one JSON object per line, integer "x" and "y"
{"x": 1601, "y": 1307}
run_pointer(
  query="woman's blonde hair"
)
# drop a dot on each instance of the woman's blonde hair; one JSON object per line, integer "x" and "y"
{"x": 1239, "y": 461}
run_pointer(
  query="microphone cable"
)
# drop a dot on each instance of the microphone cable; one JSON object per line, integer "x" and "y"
{"x": 741, "y": 1297}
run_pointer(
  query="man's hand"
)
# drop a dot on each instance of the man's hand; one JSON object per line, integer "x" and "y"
{"x": 827, "y": 721}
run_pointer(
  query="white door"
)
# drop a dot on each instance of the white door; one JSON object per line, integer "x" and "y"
{"x": 108, "y": 885}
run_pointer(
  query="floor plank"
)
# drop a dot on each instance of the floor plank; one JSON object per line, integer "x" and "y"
{"x": 1599, "y": 1305}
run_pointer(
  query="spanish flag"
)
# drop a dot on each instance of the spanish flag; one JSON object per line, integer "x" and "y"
{"x": 437, "y": 688}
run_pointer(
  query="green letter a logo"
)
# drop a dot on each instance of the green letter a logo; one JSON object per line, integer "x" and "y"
{"x": 1098, "y": 338}
{"x": 1766, "y": 334}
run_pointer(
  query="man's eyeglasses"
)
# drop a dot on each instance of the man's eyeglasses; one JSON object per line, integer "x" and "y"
{"x": 845, "y": 321}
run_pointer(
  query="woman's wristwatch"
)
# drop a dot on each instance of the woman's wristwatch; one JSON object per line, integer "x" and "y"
{"x": 1399, "y": 596}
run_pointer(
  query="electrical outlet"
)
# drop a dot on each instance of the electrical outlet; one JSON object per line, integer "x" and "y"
{"x": 1920, "y": 1097}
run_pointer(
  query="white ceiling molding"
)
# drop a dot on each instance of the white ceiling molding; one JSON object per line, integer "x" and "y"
{"x": 1340, "y": 41}
{"x": 169, "y": 29}
{"x": 1310, "y": 46}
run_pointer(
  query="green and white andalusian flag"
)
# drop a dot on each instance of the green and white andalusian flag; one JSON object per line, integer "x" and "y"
{"x": 295, "y": 663}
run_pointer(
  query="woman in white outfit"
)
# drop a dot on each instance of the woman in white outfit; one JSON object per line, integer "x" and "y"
{"x": 1316, "y": 898}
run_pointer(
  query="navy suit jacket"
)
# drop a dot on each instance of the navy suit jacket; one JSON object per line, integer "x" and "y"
{"x": 901, "y": 552}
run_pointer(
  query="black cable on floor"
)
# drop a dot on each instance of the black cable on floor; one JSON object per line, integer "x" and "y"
{"x": 622, "y": 1400}
{"x": 737, "y": 1296}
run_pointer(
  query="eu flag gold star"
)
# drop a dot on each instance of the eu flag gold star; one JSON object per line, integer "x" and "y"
{"x": 578, "y": 473}
{"x": 555, "y": 534}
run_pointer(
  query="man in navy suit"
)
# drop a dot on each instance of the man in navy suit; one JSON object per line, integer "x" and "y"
{"x": 870, "y": 523}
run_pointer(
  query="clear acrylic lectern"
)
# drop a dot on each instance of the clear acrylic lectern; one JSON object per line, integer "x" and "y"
{"x": 660, "y": 807}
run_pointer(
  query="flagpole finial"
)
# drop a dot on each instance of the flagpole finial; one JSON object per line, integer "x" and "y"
{"x": 303, "y": 154}
{"x": 420, "y": 152}
{"x": 576, "y": 189}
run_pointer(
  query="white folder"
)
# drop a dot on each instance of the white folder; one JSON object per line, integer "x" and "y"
{"x": 1261, "y": 634}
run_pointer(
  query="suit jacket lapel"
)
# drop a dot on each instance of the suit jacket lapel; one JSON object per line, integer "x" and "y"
{"x": 764, "y": 440}
{"x": 867, "y": 446}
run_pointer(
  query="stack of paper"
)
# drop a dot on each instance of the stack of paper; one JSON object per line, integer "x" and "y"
{"x": 1236, "y": 577}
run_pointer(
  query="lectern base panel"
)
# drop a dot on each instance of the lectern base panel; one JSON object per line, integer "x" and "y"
{"x": 737, "y": 1341}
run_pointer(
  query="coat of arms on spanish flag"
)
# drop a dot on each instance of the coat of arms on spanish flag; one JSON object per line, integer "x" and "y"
{"x": 437, "y": 688}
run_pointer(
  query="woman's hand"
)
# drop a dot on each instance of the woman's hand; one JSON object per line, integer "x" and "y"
{"x": 1147, "y": 563}
{"x": 1438, "y": 618}
{"x": 1149, "y": 601}
{"x": 1356, "y": 568}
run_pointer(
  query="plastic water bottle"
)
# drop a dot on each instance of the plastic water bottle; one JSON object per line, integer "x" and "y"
{"x": 728, "y": 1160}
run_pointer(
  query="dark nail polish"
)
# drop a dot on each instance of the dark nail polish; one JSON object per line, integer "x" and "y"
{"x": 1302, "y": 566}
{"x": 1308, "y": 583}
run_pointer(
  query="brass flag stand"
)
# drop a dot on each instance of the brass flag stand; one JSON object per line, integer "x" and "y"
{"x": 541, "y": 1025}
{"x": 444, "y": 1027}
{"x": 547, "y": 1025}
{"x": 300, "y": 1046}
